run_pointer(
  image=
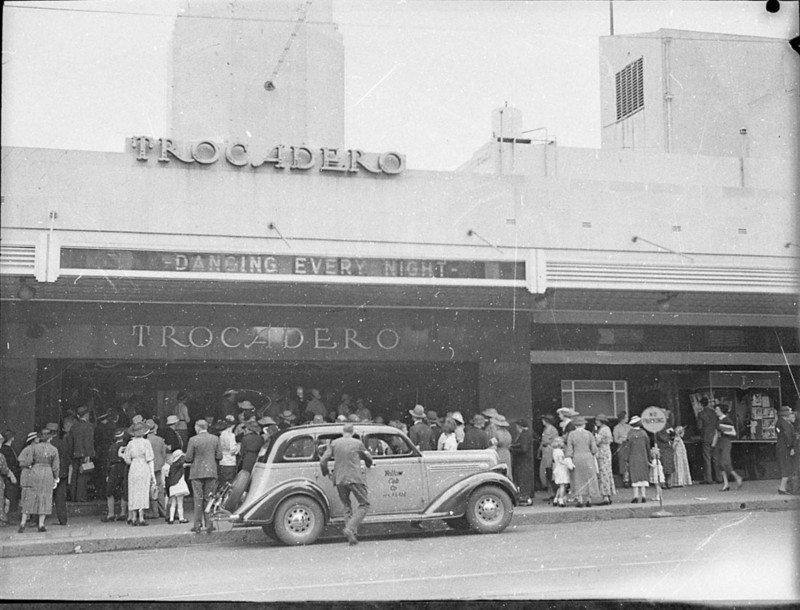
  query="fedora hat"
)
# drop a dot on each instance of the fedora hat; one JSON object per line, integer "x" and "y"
{"x": 172, "y": 419}
{"x": 478, "y": 419}
{"x": 138, "y": 429}
{"x": 500, "y": 420}
{"x": 418, "y": 412}
{"x": 490, "y": 413}
{"x": 601, "y": 417}
{"x": 246, "y": 405}
{"x": 82, "y": 410}
{"x": 433, "y": 417}
{"x": 267, "y": 421}
{"x": 52, "y": 426}
{"x": 288, "y": 415}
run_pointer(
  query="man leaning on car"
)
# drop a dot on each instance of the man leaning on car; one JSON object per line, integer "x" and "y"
{"x": 347, "y": 453}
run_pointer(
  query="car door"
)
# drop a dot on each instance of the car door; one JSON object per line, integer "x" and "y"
{"x": 396, "y": 481}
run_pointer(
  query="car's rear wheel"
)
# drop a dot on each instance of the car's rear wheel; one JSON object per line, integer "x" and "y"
{"x": 489, "y": 510}
{"x": 299, "y": 520}
{"x": 238, "y": 487}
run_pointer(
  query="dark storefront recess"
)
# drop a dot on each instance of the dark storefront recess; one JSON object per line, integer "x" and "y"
{"x": 387, "y": 389}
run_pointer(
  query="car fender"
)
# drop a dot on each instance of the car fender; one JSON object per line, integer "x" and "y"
{"x": 261, "y": 510}
{"x": 454, "y": 499}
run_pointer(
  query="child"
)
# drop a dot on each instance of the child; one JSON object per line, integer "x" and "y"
{"x": 560, "y": 471}
{"x": 176, "y": 484}
{"x": 656, "y": 470}
{"x": 682, "y": 475}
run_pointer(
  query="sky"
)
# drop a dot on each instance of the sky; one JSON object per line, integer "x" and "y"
{"x": 421, "y": 76}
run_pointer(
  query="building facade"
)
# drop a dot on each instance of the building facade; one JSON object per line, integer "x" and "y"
{"x": 270, "y": 259}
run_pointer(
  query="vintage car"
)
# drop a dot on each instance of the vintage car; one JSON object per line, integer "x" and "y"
{"x": 292, "y": 501}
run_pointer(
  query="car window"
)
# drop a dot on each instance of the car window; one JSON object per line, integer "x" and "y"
{"x": 323, "y": 440}
{"x": 386, "y": 444}
{"x": 300, "y": 449}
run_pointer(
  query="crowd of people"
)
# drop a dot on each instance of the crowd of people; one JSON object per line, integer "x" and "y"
{"x": 145, "y": 467}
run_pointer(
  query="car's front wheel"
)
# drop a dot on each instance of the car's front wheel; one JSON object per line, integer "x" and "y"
{"x": 489, "y": 510}
{"x": 299, "y": 520}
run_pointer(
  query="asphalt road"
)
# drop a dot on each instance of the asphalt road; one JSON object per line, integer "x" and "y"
{"x": 723, "y": 557}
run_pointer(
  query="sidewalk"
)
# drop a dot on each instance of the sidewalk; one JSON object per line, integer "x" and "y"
{"x": 87, "y": 534}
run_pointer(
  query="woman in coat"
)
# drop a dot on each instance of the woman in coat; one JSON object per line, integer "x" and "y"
{"x": 40, "y": 462}
{"x": 582, "y": 448}
{"x": 138, "y": 453}
{"x": 638, "y": 445}
{"x": 500, "y": 437}
{"x": 522, "y": 457}
{"x": 605, "y": 476}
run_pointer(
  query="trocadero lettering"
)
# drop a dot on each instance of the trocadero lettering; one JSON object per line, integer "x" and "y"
{"x": 264, "y": 337}
{"x": 293, "y": 158}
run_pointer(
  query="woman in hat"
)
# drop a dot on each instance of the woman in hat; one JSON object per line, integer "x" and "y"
{"x": 42, "y": 463}
{"x": 139, "y": 455}
{"x": 500, "y": 437}
{"x": 250, "y": 445}
{"x": 565, "y": 417}
{"x": 549, "y": 434}
{"x": 605, "y": 476}
{"x": 582, "y": 448}
{"x": 683, "y": 475}
{"x": 638, "y": 444}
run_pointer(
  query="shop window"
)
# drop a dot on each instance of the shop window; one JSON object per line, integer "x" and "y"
{"x": 592, "y": 397}
{"x": 629, "y": 85}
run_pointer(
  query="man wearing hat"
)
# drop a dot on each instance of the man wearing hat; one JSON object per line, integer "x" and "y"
{"x": 172, "y": 439}
{"x": 230, "y": 449}
{"x": 116, "y": 479}
{"x": 250, "y": 445}
{"x": 522, "y": 459}
{"x": 202, "y": 452}
{"x": 475, "y": 436}
{"x": 347, "y": 453}
{"x": 420, "y": 432}
{"x": 60, "y": 492}
{"x": 286, "y": 419}
{"x": 269, "y": 427}
{"x": 158, "y": 506}
{"x": 82, "y": 436}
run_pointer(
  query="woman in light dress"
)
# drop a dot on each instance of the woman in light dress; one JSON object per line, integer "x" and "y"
{"x": 138, "y": 453}
{"x": 561, "y": 468}
{"x": 605, "y": 477}
{"x": 39, "y": 461}
{"x": 682, "y": 476}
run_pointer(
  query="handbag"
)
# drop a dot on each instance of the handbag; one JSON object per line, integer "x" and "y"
{"x": 179, "y": 489}
{"x": 86, "y": 467}
{"x": 153, "y": 490}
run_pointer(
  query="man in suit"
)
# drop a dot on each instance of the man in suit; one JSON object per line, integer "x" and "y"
{"x": 347, "y": 453}
{"x": 420, "y": 433}
{"x": 81, "y": 445}
{"x": 707, "y": 425}
{"x": 202, "y": 452}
